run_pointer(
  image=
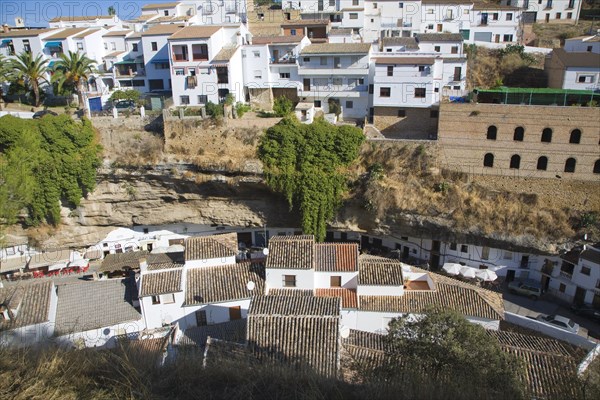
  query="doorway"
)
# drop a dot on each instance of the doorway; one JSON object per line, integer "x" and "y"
{"x": 235, "y": 313}
{"x": 510, "y": 275}
{"x": 306, "y": 84}
{"x": 434, "y": 262}
{"x": 545, "y": 283}
{"x": 405, "y": 252}
{"x": 579, "y": 295}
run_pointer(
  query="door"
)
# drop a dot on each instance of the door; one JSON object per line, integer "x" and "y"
{"x": 457, "y": 74}
{"x": 95, "y": 104}
{"x": 275, "y": 55}
{"x": 434, "y": 261}
{"x": 545, "y": 283}
{"x": 306, "y": 84}
{"x": 484, "y": 18}
{"x": 246, "y": 238}
{"x": 235, "y": 313}
{"x": 405, "y": 252}
{"x": 435, "y": 246}
{"x": 440, "y": 27}
{"x": 547, "y": 17}
{"x": 364, "y": 242}
{"x": 525, "y": 262}
{"x": 579, "y": 295}
{"x": 510, "y": 275}
{"x": 201, "y": 318}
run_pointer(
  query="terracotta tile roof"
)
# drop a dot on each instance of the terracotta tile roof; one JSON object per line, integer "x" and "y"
{"x": 86, "y": 33}
{"x": 78, "y": 305}
{"x": 290, "y": 292}
{"x": 25, "y": 32}
{"x": 531, "y": 342}
{"x": 65, "y": 33}
{"x": 164, "y": 265}
{"x": 588, "y": 254}
{"x": 74, "y": 18}
{"x": 154, "y": 283}
{"x": 232, "y": 331}
{"x": 405, "y": 60}
{"x": 148, "y": 350}
{"x": 348, "y": 296}
{"x": 162, "y": 30}
{"x": 120, "y": 261}
{"x": 336, "y": 257}
{"x": 306, "y": 22}
{"x": 225, "y": 54}
{"x": 297, "y": 330}
{"x": 276, "y": 39}
{"x": 340, "y": 31}
{"x": 144, "y": 17}
{"x": 408, "y": 42}
{"x": 117, "y": 33}
{"x": 209, "y": 285}
{"x": 374, "y": 341}
{"x": 337, "y": 48}
{"x": 32, "y": 302}
{"x": 195, "y": 32}
{"x": 291, "y": 252}
{"x": 379, "y": 271}
{"x": 439, "y": 37}
{"x": 214, "y": 246}
{"x": 154, "y": 6}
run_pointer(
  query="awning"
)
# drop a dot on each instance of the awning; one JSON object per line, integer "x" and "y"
{"x": 6, "y": 41}
{"x": 53, "y": 44}
{"x": 160, "y": 60}
{"x": 126, "y": 62}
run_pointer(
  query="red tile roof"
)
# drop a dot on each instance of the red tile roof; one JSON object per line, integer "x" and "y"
{"x": 336, "y": 257}
{"x": 348, "y": 296}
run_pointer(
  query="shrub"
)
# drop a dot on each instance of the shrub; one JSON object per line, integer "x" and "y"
{"x": 128, "y": 94}
{"x": 282, "y": 106}
{"x": 214, "y": 110}
{"x": 241, "y": 109}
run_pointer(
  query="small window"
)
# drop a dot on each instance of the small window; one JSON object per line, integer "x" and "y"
{"x": 558, "y": 15}
{"x": 464, "y": 248}
{"x": 202, "y": 99}
{"x": 519, "y": 134}
{"x": 434, "y": 114}
{"x": 495, "y": 16}
{"x": 371, "y": 88}
{"x": 335, "y": 281}
{"x": 337, "y": 82}
{"x": 155, "y": 299}
{"x": 134, "y": 47}
{"x": 353, "y": 15}
{"x": 420, "y": 92}
{"x": 166, "y": 13}
{"x": 256, "y": 54}
{"x": 179, "y": 71}
{"x": 284, "y": 75}
{"x": 385, "y": 92}
{"x": 421, "y": 68}
{"x": 547, "y": 135}
{"x": 570, "y": 165}
{"x": 515, "y": 161}
{"x": 79, "y": 46}
{"x": 354, "y": 2}
{"x": 436, "y": 49}
{"x": 375, "y": 5}
{"x": 201, "y": 318}
{"x": 317, "y": 103}
{"x": 453, "y": 246}
{"x": 154, "y": 46}
{"x": 400, "y": 5}
{"x": 485, "y": 253}
{"x": 508, "y": 255}
{"x": 289, "y": 281}
{"x": 585, "y": 270}
{"x": 105, "y": 46}
{"x": 401, "y": 113}
{"x": 575, "y": 136}
{"x": 491, "y": 132}
{"x": 349, "y": 104}
{"x": 454, "y": 50}
{"x": 390, "y": 70}
{"x": 185, "y": 100}
{"x": 257, "y": 74}
{"x": 509, "y": 16}
{"x": 167, "y": 298}
{"x": 293, "y": 32}
{"x": 323, "y": 60}
{"x": 542, "y": 163}
{"x": 488, "y": 160}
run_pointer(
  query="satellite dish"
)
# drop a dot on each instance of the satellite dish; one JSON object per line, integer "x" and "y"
{"x": 250, "y": 285}
{"x": 345, "y": 332}
{"x": 266, "y": 251}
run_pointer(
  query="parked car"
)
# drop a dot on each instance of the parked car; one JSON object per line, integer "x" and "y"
{"x": 531, "y": 289}
{"x": 560, "y": 322}
{"x": 123, "y": 105}
{"x": 586, "y": 310}
{"x": 43, "y": 113}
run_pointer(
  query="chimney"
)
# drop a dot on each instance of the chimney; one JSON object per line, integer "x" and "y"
{"x": 5, "y": 28}
{"x": 143, "y": 266}
{"x": 239, "y": 38}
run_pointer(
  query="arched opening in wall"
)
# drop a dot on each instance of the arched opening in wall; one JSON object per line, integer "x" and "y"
{"x": 519, "y": 134}
{"x": 570, "y": 165}
{"x": 597, "y": 167}
{"x": 542, "y": 163}
{"x": 491, "y": 132}
{"x": 575, "y": 136}
{"x": 515, "y": 161}
{"x": 547, "y": 135}
{"x": 488, "y": 160}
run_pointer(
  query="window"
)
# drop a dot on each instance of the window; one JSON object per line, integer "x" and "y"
{"x": 401, "y": 113}
{"x": 436, "y": 49}
{"x": 257, "y": 74}
{"x": 105, "y": 46}
{"x": 354, "y": 2}
{"x": 569, "y": 15}
{"x": 515, "y": 161}
{"x": 485, "y": 253}
{"x": 166, "y": 13}
{"x": 306, "y": 59}
{"x": 337, "y": 82}
{"x": 335, "y": 281}
{"x": 353, "y": 15}
{"x": 421, "y": 68}
{"x": 390, "y": 70}
{"x": 558, "y": 15}
{"x": 179, "y": 71}
{"x": 202, "y": 99}
{"x": 375, "y": 5}
{"x": 542, "y": 163}
{"x": 385, "y": 92}
{"x": 289, "y": 281}
{"x": 519, "y": 134}
{"x": 337, "y": 62}
{"x": 201, "y": 318}
{"x": 420, "y": 92}
{"x": 317, "y": 103}
{"x": 585, "y": 78}
{"x": 371, "y": 88}
{"x": 200, "y": 52}
{"x": 508, "y": 38}
{"x": 454, "y": 50}
{"x": 163, "y": 66}
{"x": 508, "y": 255}
{"x": 293, "y": 32}
{"x": 155, "y": 300}
{"x": 575, "y": 136}
{"x": 488, "y": 160}
{"x": 491, "y": 132}
{"x": 434, "y": 114}
{"x": 464, "y": 248}
{"x": 134, "y": 47}
{"x": 256, "y": 54}
{"x": 284, "y": 75}
{"x": 562, "y": 287}
{"x": 79, "y": 46}
{"x": 570, "y": 164}
{"x": 154, "y": 46}
{"x": 495, "y": 17}
{"x": 589, "y": 48}
{"x": 235, "y": 313}
{"x": 400, "y": 5}
{"x": 185, "y": 100}
{"x": 331, "y": 3}
{"x": 509, "y": 16}
{"x": 323, "y": 60}
{"x": 349, "y": 104}
{"x": 453, "y": 246}
{"x": 585, "y": 270}
{"x": 547, "y": 135}
{"x": 597, "y": 167}
{"x": 168, "y": 298}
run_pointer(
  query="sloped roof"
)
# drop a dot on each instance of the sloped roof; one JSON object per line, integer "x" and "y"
{"x": 154, "y": 6}
{"x": 31, "y": 300}
{"x": 65, "y": 33}
{"x": 225, "y": 54}
{"x": 231, "y": 331}
{"x": 408, "y": 42}
{"x": 74, "y": 18}
{"x": 337, "y": 48}
{"x": 195, "y": 32}
{"x": 26, "y": 32}
{"x": 336, "y": 257}
{"x": 209, "y": 285}
{"x": 348, "y": 296}
{"x": 164, "y": 265}
{"x": 155, "y": 283}
{"x": 214, "y": 246}
{"x": 162, "y": 30}
{"x": 379, "y": 271}
{"x": 12, "y": 263}
{"x": 300, "y": 331}
{"x": 114, "y": 54}
{"x": 588, "y": 254}
{"x": 291, "y": 252}
{"x": 87, "y": 33}
{"x": 276, "y": 39}
{"x": 439, "y": 37}
{"x": 85, "y": 306}
{"x": 117, "y": 33}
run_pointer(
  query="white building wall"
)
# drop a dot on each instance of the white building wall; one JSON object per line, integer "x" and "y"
{"x": 304, "y": 278}
{"x": 157, "y": 315}
{"x": 323, "y": 279}
{"x": 93, "y": 46}
{"x": 162, "y": 53}
{"x": 572, "y": 76}
{"x": 581, "y": 46}
{"x": 215, "y": 313}
{"x": 101, "y": 337}
{"x": 380, "y": 290}
{"x": 541, "y": 9}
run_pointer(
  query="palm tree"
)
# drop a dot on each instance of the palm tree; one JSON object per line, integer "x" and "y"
{"x": 4, "y": 73}
{"x": 73, "y": 69}
{"x": 31, "y": 71}
{"x": 112, "y": 11}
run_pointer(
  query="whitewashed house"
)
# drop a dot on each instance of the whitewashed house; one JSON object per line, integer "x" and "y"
{"x": 156, "y": 54}
{"x": 580, "y": 44}
{"x": 88, "y": 21}
{"x": 391, "y": 19}
{"x": 290, "y": 263}
{"x": 548, "y": 11}
{"x": 573, "y": 70}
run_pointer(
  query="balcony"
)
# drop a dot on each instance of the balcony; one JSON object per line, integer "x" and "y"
{"x": 337, "y": 90}
{"x": 284, "y": 60}
{"x": 355, "y": 69}
{"x": 129, "y": 72}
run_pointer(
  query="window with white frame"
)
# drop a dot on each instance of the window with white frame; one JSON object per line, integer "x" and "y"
{"x": 289, "y": 281}
{"x": 113, "y": 45}
{"x": 80, "y": 46}
{"x": 585, "y": 78}
{"x": 337, "y": 82}
{"x": 168, "y": 298}
{"x": 202, "y": 99}
{"x": 284, "y": 75}
{"x": 353, "y": 16}
{"x": 257, "y": 74}
{"x": 184, "y": 100}
{"x": 179, "y": 71}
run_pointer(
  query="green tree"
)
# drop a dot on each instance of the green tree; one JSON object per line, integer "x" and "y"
{"x": 282, "y": 106}
{"x": 307, "y": 164}
{"x": 73, "y": 70}
{"x": 127, "y": 94}
{"x": 443, "y": 349}
{"x": 31, "y": 71}
{"x": 4, "y": 74}
{"x": 112, "y": 11}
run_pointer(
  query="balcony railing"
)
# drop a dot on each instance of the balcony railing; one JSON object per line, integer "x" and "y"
{"x": 180, "y": 57}
{"x": 289, "y": 60}
{"x": 130, "y": 73}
